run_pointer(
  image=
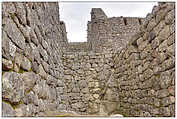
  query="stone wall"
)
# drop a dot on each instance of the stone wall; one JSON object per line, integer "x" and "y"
{"x": 41, "y": 77}
{"x": 110, "y": 33}
{"x": 145, "y": 69}
{"x": 64, "y": 41}
{"x": 121, "y": 30}
{"x": 78, "y": 47}
{"x": 32, "y": 68}
{"x": 104, "y": 34}
{"x": 85, "y": 75}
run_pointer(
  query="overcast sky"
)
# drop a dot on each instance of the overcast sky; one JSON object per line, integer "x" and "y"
{"x": 77, "y": 14}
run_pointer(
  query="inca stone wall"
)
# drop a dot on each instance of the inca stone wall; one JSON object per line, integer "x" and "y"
{"x": 85, "y": 75}
{"x": 127, "y": 66}
{"x": 107, "y": 34}
{"x": 31, "y": 58}
{"x": 110, "y": 33}
{"x": 78, "y": 47}
{"x": 145, "y": 69}
{"x": 64, "y": 41}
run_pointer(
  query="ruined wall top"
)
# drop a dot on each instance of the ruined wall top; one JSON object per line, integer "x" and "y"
{"x": 104, "y": 33}
{"x": 110, "y": 33}
{"x": 97, "y": 14}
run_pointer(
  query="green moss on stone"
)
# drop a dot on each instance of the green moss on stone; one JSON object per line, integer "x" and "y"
{"x": 5, "y": 101}
{"x": 3, "y": 73}
{"x": 14, "y": 106}
{"x": 21, "y": 71}
{"x": 12, "y": 15}
{"x": 158, "y": 75}
{"x": 31, "y": 69}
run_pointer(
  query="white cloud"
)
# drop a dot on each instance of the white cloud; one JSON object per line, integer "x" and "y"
{"x": 77, "y": 14}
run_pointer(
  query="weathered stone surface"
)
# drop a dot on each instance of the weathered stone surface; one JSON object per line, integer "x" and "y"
{"x": 8, "y": 47}
{"x": 42, "y": 105}
{"x": 60, "y": 83}
{"x": 26, "y": 64}
{"x": 30, "y": 98}
{"x": 169, "y": 18}
{"x": 42, "y": 89}
{"x": 152, "y": 35}
{"x": 109, "y": 107}
{"x": 7, "y": 110}
{"x": 171, "y": 90}
{"x": 43, "y": 53}
{"x": 163, "y": 93}
{"x": 85, "y": 90}
{"x": 12, "y": 87}
{"x": 93, "y": 108}
{"x": 21, "y": 12}
{"x": 127, "y": 66}
{"x": 167, "y": 101}
{"x": 24, "y": 32}
{"x": 18, "y": 59}
{"x": 164, "y": 33}
{"x": 29, "y": 79}
{"x": 26, "y": 110}
{"x": 14, "y": 33}
{"x": 6, "y": 64}
{"x": 52, "y": 94}
{"x": 61, "y": 107}
{"x": 77, "y": 105}
{"x": 45, "y": 66}
{"x": 165, "y": 80}
{"x": 52, "y": 81}
{"x": 59, "y": 114}
{"x": 83, "y": 83}
{"x": 34, "y": 66}
{"x": 164, "y": 111}
{"x": 42, "y": 72}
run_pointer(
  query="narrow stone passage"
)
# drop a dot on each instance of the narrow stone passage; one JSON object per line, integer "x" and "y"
{"x": 127, "y": 67}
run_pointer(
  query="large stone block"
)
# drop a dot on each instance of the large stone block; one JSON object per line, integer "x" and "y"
{"x": 26, "y": 110}
{"x": 31, "y": 98}
{"x": 42, "y": 72}
{"x": 29, "y": 79}
{"x": 14, "y": 33}
{"x": 167, "y": 101}
{"x": 170, "y": 17}
{"x": 42, "y": 89}
{"x": 7, "y": 110}
{"x": 7, "y": 64}
{"x": 162, "y": 93}
{"x": 8, "y": 47}
{"x": 12, "y": 87}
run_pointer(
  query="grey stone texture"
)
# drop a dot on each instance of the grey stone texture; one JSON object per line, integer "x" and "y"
{"x": 31, "y": 51}
{"x": 7, "y": 111}
{"x": 126, "y": 68}
{"x": 147, "y": 88}
{"x": 84, "y": 73}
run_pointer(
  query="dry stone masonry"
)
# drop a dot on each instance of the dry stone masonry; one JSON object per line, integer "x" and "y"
{"x": 32, "y": 38}
{"x": 145, "y": 68}
{"x": 78, "y": 47}
{"x": 127, "y": 67}
{"x": 110, "y": 33}
{"x": 85, "y": 74}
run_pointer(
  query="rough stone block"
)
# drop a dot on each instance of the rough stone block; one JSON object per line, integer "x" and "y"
{"x": 42, "y": 72}
{"x": 29, "y": 79}
{"x": 12, "y": 87}
{"x": 26, "y": 64}
{"x": 162, "y": 93}
{"x": 7, "y": 110}
{"x": 7, "y": 64}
